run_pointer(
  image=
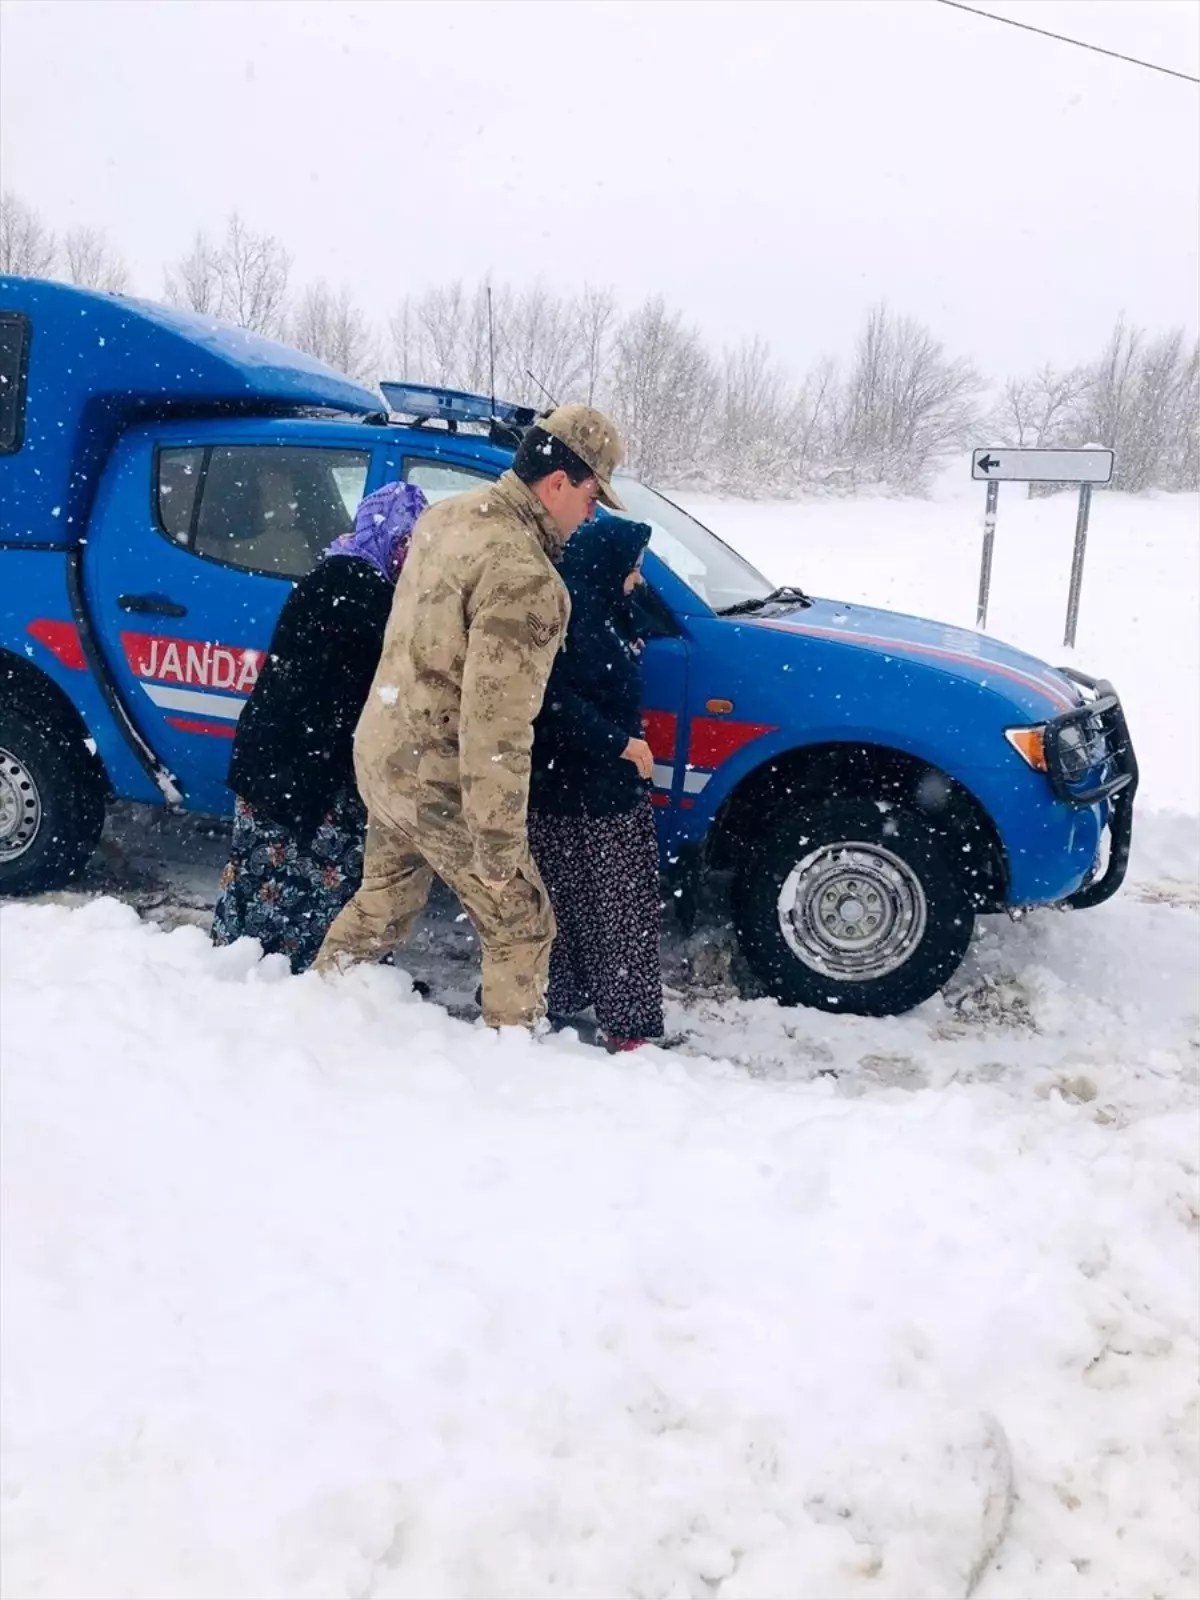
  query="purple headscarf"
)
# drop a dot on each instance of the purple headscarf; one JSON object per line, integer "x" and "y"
{"x": 382, "y": 528}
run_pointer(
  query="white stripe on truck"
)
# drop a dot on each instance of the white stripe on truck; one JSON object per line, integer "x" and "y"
{"x": 200, "y": 705}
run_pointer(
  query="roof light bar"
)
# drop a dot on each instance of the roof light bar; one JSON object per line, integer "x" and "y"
{"x": 453, "y": 406}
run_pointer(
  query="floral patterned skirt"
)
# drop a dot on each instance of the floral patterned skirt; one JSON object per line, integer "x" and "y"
{"x": 283, "y": 890}
{"x": 602, "y": 877}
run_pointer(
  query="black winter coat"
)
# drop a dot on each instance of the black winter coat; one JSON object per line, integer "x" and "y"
{"x": 294, "y": 748}
{"x": 592, "y": 706}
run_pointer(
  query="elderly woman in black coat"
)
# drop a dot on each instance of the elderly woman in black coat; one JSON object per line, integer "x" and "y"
{"x": 299, "y": 824}
{"x": 591, "y": 824}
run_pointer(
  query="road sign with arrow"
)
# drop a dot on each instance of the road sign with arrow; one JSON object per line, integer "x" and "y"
{"x": 996, "y": 466}
{"x": 1042, "y": 466}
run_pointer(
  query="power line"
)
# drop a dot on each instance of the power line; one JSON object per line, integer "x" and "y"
{"x": 1062, "y": 38}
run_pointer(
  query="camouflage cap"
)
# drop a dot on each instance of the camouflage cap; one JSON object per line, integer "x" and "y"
{"x": 594, "y": 439}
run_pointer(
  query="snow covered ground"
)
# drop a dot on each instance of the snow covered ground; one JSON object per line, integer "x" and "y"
{"x": 310, "y": 1290}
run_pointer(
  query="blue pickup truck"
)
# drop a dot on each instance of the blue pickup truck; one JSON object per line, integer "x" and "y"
{"x": 872, "y": 781}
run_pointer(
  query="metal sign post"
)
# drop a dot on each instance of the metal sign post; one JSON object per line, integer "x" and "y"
{"x": 985, "y": 560}
{"x": 1081, "y": 527}
{"x": 996, "y": 466}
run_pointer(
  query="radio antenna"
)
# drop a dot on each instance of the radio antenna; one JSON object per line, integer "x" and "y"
{"x": 542, "y": 387}
{"x": 491, "y": 349}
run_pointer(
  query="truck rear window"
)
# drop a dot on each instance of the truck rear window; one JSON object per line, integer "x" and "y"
{"x": 264, "y": 508}
{"x": 14, "y": 369}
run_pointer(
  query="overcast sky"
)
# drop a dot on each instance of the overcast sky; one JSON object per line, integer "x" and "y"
{"x": 771, "y": 168}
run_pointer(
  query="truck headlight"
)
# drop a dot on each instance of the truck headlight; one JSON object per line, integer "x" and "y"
{"x": 1030, "y": 744}
{"x": 1081, "y": 746}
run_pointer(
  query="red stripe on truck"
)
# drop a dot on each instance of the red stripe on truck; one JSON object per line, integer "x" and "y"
{"x": 661, "y": 730}
{"x": 218, "y": 730}
{"x": 713, "y": 740}
{"x": 62, "y": 640}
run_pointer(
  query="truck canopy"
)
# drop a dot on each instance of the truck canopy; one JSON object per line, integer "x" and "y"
{"x": 77, "y": 367}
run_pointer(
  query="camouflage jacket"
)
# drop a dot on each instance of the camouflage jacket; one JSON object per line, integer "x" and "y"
{"x": 478, "y": 616}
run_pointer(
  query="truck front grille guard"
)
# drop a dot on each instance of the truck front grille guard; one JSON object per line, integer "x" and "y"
{"x": 1117, "y": 784}
{"x": 1101, "y": 718}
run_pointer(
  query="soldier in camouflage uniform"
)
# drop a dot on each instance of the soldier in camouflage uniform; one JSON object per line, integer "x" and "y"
{"x": 442, "y": 750}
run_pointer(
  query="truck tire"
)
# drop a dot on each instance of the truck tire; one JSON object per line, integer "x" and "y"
{"x": 854, "y": 907}
{"x": 51, "y": 805}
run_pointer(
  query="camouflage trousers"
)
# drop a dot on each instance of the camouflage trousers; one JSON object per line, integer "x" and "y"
{"x": 515, "y": 924}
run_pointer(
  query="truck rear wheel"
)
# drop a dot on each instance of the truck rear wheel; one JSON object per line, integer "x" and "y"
{"x": 51, "y": 806}
{"x": 850, "y": 907}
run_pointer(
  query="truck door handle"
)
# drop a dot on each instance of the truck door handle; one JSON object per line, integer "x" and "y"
{"x": 152, "y": 604}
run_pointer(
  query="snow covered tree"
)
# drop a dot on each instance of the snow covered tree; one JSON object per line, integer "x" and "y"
{"x": 443, "y": 336}
{"x": 243, "y": 279}
{"x": 92, "y": 263}
{"x": 440, "y": 337}
{"x": 1042, "y": 412}
{"x": 254, "y": 272}
{"x": 332, "y": 328}
{"x": 812, "y": 424}
{"x": 541, "y": 353}
{"x": 663, "y": 394}
{"x": 27, "y": 246}
{"x": 596, "y": 312}
{"x": 1182, "y": 452}
{"x": 1137, "y": 402}
{"x": 754, "y": 443}
{"x": 195, "y": 279}
{"x": 905, "y": 405}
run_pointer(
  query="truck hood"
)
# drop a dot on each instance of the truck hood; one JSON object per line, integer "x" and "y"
{"x": 1037, "y": 688}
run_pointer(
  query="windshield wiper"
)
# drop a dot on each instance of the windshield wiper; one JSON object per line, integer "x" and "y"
{"x": 785, "y": 595}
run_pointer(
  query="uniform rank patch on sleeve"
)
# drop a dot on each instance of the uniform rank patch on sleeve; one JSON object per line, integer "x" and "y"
{"x": 542, "y": 631}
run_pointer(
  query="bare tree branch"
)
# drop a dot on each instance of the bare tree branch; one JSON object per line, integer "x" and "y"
{"x": 906, "y": 403}
{"x": 664, "y": 393}
{"x": 255, "y": 269}
{"x": 332, "y": 328}
{"x": 596, "y": 312}
{"x": 92, "y": 263}
{"x": 244, "y": 279}
{"x": 195, "y": 280}
{"x": 27, "y": 247}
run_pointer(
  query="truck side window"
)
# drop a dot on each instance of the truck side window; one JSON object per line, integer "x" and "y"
{"x": 440, "y": 479}
{"x": 264, "y": 508}
{"x": 14, "y": 369}
{"x": 178, "y": 480}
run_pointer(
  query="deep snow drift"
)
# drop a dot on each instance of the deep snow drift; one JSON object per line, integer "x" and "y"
{"x": 309, "y": 1290}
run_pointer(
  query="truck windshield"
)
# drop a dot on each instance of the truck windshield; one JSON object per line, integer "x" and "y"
{"x": 694, "y": 554}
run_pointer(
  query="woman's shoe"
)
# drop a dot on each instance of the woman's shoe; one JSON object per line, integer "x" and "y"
{"x": 665, "y": 1041}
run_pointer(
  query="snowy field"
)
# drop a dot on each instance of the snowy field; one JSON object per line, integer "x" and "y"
{"x": 310, "y": 1290}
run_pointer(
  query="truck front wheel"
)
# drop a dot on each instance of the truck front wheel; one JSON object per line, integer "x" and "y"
{"x": 853, "y": 906}
{"x": 51, "y": 806}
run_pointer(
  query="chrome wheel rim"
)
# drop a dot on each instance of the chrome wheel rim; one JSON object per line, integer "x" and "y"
{"x": 20, "y": 807}
{"x": 854, "y": 912}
